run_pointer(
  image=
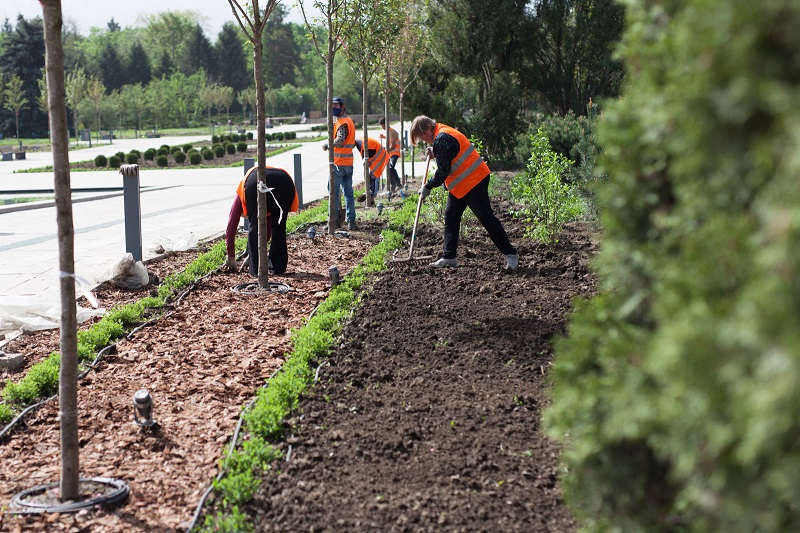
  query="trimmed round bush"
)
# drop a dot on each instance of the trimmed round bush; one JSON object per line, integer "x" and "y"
{"x": 186, "y": 148}
{"x": 249, "y": 135}
{"x": 162, "y": 151}
{"x": 162, "y": 161}
{"x": 195, "y": 158}
{"x": 208, "y": 155}
{"x": 165, "y": 147}
{"x": 132, "y": 158}
{"x": 179, "y": 157}
{"x": 230, "y": 148}
{"x": 137, "y": 152}
{"x": 235, "y": 137}
{"x": 241, "y": 146}
{"x": 100, "y": 161}
{"x": 215, "y": 139}
{"x": 114, "y": 161}
{"x": 175, "y": 149}
{"x": 150, "y": 154}
{"x": 219, "y": 150}
{"x": 120, "y": 155}
{"x": 228, "y": 138}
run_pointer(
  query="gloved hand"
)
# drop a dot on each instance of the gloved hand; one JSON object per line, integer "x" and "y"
{"x": 230, "y": 264}
{"x": 424, "y": 192}
{"x": 429, "y": 152}
{"x": 325, "y": 147}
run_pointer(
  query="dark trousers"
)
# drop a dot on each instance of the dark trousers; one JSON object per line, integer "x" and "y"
{"x": 394, "y": 179}
{"x": 284, "y": 192}
{"x": 478, "y": 201}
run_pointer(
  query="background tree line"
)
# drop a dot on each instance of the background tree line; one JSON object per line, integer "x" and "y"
{"x": 490, "y": 75}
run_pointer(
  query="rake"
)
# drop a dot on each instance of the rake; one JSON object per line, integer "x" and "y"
{"x": 414, "y": 261}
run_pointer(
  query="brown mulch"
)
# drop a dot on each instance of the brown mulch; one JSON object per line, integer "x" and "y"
{"x": 426, "y": 416}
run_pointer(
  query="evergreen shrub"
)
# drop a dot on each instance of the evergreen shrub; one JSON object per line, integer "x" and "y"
{"x": 132, "y": 158}
{"x": 214, "y": 139}
{"x": 162, "y": 151}
{"x": 186, "y": 148}
{"x": 208, "y": 155}
{"x": 241, "y": 146}
{"x": 100, "y": 161}
{"x": 162, "y": 160}
{"x": 230, "y": 148}
{"x": 234, "y": 137}
{"x": 675, "y": 390}
{"x": 195, "y": 158}
{"x": 219, "y": 150}
{"x": 150, "y": 154}
{"x": 114, "y": 161}
{"x": 179, "y": 157}
{"x": 249, "y": 135}
{"x": 120, "y": 155}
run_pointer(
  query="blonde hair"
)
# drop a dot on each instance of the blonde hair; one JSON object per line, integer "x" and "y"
{"x": 420, "y": 125}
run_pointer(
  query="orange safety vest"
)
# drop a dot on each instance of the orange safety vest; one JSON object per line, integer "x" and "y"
{"x": 392, "y": 142}
{"x": 378, "y": 162}
{"x": 343, "y": 155}
{"x": 240, "y": 192}
{"x": 467, "y": 169}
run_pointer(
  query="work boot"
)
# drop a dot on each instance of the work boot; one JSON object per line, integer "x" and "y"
{"x": 352, "y": 225}
{"x": 512, "y": 261}
{"x": 444, "y": 263}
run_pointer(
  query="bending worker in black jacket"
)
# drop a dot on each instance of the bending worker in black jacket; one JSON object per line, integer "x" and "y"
{"x": 465, "y": 175}
{"x": 246, "y": 204}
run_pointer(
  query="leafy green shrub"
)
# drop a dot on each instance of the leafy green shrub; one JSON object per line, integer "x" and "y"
{"x": 175, "y": 149}
{"x": 179, "y": 157}
{"x": 114, "y": 161}
{"x": 162, "y": 160}
{"x": 132, "y": 158}
{"x": 542, "y": 199}
{"x": 186, "y": 148}
{"x": 208, "y": 155}
{"x": 137, "y": 152}
{"x": 150, "y": 154}
{"x": 241, "y": 146}
{"x": 230, "y": 148}
{"x": 234, "y": 137}
{"x": 195, "y": 158}
{"x": 6, "y": 414}
{"x": 249, "y": 135}
{"x": 165, "y": 147}
{"x": 162, "y": 151}
{"x": 219, "y": 151}
{"x": 676, "y": 395}
{"x": 214, "y": 139}
{"x": 100, "y": 161}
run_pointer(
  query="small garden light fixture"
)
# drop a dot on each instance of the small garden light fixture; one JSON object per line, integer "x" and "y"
{"x": 312, "y": 232}
{"x": 333, "y": 273}
{"x": 143, "y": 407}
{"x": 379, "y": 207}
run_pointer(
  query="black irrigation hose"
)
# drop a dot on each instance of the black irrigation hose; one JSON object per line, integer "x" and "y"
{"x": 91, "y": 366}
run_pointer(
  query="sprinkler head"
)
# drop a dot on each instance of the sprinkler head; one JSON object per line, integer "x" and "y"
{"x": 312, "y": 232}
{"x": 143, "y": 407}
{"x": 333, "y": 273}
{"x": 379, "y": 207}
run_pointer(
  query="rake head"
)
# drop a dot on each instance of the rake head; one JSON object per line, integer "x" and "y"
{"x": 411, "y": 261}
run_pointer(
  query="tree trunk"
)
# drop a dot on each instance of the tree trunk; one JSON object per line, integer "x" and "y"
{"x": 365, "y": 151}
{"x": 333, "y": 210}
{"x": 68, "y": 375}
{"x": 263, "y": 250}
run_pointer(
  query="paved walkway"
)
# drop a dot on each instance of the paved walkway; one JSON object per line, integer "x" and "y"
{"x": 178, "y": 207}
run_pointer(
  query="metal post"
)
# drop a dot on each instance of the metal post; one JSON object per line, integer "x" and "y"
{"x": 133, "y": 210}
{"x": 298, "y": 178}
{"x": 249, "y": 163}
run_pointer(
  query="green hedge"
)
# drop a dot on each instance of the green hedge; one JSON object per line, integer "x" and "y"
{"x": 676, "y": 391}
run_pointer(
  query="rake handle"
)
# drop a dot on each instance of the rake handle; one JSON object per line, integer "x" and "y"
{"x": 416, "y": 217}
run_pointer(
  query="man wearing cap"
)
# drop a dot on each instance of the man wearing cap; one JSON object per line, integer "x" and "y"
{"x": 344, "y": 141}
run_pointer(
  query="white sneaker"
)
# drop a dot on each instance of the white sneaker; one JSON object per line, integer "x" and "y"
{"x": 444, "y": 263}
{"x": 512, "y": 261}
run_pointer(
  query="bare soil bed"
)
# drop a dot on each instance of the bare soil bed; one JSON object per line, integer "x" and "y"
{"x": 426, "y": 416}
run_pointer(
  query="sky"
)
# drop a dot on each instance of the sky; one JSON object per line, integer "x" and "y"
{"x": 128, "y": 13}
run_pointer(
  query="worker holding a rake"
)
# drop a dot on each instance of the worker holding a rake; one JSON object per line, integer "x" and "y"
{"x": 465, "y": 175}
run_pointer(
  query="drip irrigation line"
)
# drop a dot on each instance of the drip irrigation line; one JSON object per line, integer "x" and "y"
{"x": 93, "y": 365}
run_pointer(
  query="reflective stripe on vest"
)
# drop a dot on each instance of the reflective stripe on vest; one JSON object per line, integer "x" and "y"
{"x": 343, "y": 155}
{"x": 467, "y": 169}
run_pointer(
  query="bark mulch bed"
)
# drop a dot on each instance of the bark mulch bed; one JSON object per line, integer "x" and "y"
{"x": 426, "y": 416}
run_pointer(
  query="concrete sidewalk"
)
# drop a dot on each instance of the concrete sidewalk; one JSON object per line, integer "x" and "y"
{"x": 176, "y": 206}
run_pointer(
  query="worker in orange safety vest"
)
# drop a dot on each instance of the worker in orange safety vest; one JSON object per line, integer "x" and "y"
{"x": 465, "y": 175}
{"x": 378, "y": 159}
{"x": 393, "y": 147}
{"x": 344, "y": 141}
